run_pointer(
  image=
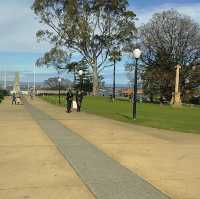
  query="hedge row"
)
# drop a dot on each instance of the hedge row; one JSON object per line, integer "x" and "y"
{"x": 3, "y": 93}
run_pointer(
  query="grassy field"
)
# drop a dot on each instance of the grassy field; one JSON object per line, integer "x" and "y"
{"x": 183, "y": 119}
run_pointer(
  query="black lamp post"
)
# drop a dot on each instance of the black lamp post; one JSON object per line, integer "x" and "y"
{"x": 136, "y": 54}
{"x": 59, "y": 85}
{"x": 114, "y": 62}
{"x": 80, "y": 72}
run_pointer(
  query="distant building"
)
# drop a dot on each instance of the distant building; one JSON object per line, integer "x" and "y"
{"x": 129, "y": 91}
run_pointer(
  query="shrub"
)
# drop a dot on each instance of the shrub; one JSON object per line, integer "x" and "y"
{"x": 3, "y": 93}
{"x": 195, "y": 100}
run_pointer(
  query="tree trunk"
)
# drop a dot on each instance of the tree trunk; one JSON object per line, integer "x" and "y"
{"x": 95, "y": 80}
{"x": 151, "y": 97}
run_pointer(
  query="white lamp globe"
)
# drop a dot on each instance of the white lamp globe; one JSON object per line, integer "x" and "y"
{"x": 80, "y": 72}
{"x": 194, "y": 67}
{"x": 137, "y": 53}
{"x": 59, "y": 79}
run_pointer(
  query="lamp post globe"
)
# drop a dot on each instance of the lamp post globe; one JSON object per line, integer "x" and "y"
{"x": 136, "y": 53}
{"x": 59, "y": 79}
{"x": 59, "y": 82}
{"x": 80, "y": 72}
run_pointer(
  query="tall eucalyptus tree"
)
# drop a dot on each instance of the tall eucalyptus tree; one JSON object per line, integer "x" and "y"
{"x": 89, "y": 28}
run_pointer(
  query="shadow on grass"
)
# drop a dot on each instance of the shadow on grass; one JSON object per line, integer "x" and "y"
{"x": 127, "y": 117}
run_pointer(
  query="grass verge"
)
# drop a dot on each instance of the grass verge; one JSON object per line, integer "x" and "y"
{"x": 183, "y": 119}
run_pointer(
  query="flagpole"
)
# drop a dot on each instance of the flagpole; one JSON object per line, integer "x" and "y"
{"x": 5, "y": 80}
{"x": 34, "y": 79}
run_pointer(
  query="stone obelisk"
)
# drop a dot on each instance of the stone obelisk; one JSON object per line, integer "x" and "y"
{"x": 16, "y": 86}
{"x": 176, "y": 97}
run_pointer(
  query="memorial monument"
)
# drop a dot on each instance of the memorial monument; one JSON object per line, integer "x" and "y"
{"x": 176, "y": 96}
{"x": 16, "y": 85}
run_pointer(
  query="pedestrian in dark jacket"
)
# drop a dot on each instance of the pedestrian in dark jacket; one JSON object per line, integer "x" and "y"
{"x": 14, "y": 98}
{"x": 69, "y": 99}
{"x": 79, "y": 99}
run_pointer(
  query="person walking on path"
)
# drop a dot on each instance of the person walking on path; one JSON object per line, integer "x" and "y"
{"x": 31, "y": 94}
{"x": 69, "y": 99}
{"x": 14, "y": 99}
{"x": 79, "y": 99}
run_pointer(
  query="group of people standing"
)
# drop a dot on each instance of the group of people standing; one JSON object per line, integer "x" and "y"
{"x": 70, "y": 103}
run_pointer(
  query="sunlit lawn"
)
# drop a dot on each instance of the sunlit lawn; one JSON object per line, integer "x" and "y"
{"x": 183, "y": 119}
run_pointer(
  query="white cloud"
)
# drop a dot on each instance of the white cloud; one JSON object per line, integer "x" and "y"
{"x": 18, "y": 27}
{"x": 18, "y": 24}
{"x": 192, "y": 10}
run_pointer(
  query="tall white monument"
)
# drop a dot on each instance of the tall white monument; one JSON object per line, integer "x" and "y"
{"x": 16, "y": 85}
{"x": 176, "y": 96}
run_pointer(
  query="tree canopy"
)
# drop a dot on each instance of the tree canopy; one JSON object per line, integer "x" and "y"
{"x": 168, "y": 39}
{"x": 87, "y": 27}
{"x": 56, "y": 58}
{"x": 53, "y": 84}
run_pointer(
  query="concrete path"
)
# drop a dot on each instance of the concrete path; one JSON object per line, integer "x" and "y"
{"x": 105, "y": 177}
{"x": 168, "y": 160}
{"x": 31, "y": 167}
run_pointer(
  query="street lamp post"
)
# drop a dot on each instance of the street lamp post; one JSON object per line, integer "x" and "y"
{"x": 34, "y": 79}
{"x": 136, "y": 54}
{"x": 114, "y": 80}
{"x": 80, "y": 72}
{"x": 59, "y": 84}
{"x": 85, "y": 84}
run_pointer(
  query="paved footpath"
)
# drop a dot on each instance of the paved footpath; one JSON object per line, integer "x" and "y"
{"x": 168, "y": 160}
{"x": 31, "y": 167}
{"x": 105, "y": 177}
{"x": 101, "y": 158}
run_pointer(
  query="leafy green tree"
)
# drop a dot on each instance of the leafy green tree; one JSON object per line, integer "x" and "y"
{"x": 168, "y": 39}
{"x": 192, "y": 84}
{"x": 56, "y": 58}
{"x": 114, "y": 56}
{"x": 72, "y": 67}
{"x": 83, "y": 82}
{"x": 53, "y": 84}
{"x": 87, "y": 27}
{"x": 151, "y": 84}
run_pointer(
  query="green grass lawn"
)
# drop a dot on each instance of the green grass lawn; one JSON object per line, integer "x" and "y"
{"x": 185, "y": 119}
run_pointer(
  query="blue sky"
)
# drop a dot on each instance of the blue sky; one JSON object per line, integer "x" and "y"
{"x": 155, "y": 3}
{"x": 19, "y": 48}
